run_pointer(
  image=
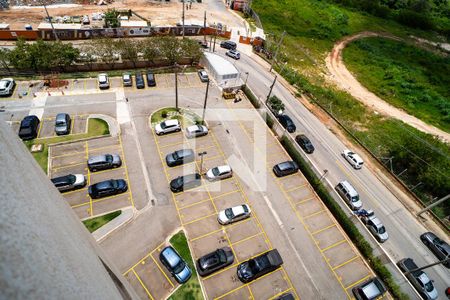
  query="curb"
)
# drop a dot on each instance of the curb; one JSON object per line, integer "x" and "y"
{"x": 101, "y": 233}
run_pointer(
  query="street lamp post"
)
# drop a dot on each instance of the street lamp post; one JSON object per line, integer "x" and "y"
{"x": 246, "y": 78}
{"x": 201, "y": 154}
{"x": 325, "y": 172}
{"x": 204, "y": 104}
{"x": 176, "y": 85}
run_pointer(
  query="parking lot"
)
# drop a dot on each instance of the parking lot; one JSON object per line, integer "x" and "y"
{"x": 149, "y": 278}
{"x": 198, "y": 208}
{"x": 71, "y": 158}
{"x": 25, "y": 90}
{"x": 341, "y": 257}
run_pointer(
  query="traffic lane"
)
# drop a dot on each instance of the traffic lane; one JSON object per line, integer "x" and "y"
{"x": 316, "y": 129}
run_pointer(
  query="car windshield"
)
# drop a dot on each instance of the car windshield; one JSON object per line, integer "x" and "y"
{"x": 109, "y": 158}
{"x": 179, "y": 267}
{"x": 215, "y": 171}
{"x": 355, "y": 198}
{"x": 253, "y": 266}
{"x": 175, "y": 155}
{"x": 229, "y": 213}
{"x": 222, "y": 256}
{"x": 163, "y": 125}
{"x": 114, "y": 184}
{"x": 71, "y": 178}
{"x": 429, "y": 287}
{"x": 60, "y": 122}
{"x": 381, "y": 230}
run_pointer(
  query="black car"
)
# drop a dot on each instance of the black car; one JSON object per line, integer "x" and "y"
{"x": 287, "y": 296}
{"x": 151, "y": 78}
{"x": 29, "y": 127}
{"x": 439, "y": 247}
{"x": 215, "y": 261}
{"x": 228, "y": 45}
{"x": 285, "y": 168}
{"x": 140, "y": 84}
{"x": 107, "y": 188}
{"x": 256, "y": 267}
{"x": 180, "y": 157}
{"x": 185, "y": 182}
{"x": 303, "y": 141}
{"x": 287, "y": 123}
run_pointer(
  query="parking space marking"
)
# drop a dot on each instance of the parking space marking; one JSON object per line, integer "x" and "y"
{"x": 248, "y": 238}
{"x": 144, "y": 258}
{"x": 304, "y": 200}
{"x": 346, "y": 262}
{"x": 123, "y": 167}
{"x": 314, "y": 214}
{"x": 159, "y": 267}
{"x": 359, "y": 281}
{"x": 143, "y": 285}
{"x": 86, "y": 148}
{"x": 99, "y": 200}
{"x": 126, "y": 171}
{"x": 250, "y": 291}
{"x": 68, "y": 166}
{"x": 74, "y": 191}
{"x": 323, "y": 229}
{"x": 296, "y": 188}
{"x": 171, "y": 144}
{"x": 279, "y": 294}
{"x": 333, "y": 245}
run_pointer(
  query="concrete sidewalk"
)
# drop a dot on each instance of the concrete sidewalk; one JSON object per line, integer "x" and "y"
{"x": 126, "y": 216}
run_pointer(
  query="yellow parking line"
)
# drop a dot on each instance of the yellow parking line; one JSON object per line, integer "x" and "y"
{"x": 225, "y": 194}
{"x": 296, "y": 188}
{"x": 171, "y": 144}
{"x": 107, "y": 147}
{"x": 359, "y": 281}
{"x": 211, "y": 158}
{"x": 180, "y": 166}
{"x": 205, "y": 235}
{"x": 80, "y": 205}
{"x": 143, "y": 285}
{"x": 71, "y": 125}
{"x": 333, "y": 245}
{"x": 288, "y": 176}
{"x": 323, "y": 229}
{"x": 344, "y": 263}
{"x": 250, "y": 291}
{"x": 248, "y": 238}
{"x": 205, "y": 148}
{"x": 162, "y": 271}
{"x": 41, "y": 124}
{"x": 199, "y": 219}
{"x": 86, "y": 148}
{"x": 68, "y": 166}
{"x": 304, "y": 200}
{"x": 100, "y": 200}
{"x": 74, "y": 153}
{"x": 245, "y": 284}
{"x": 194, "y": 204}
{"x": 279, "y": 294}
{"x": 109, "y": 170}
{"x": 84, "y": 84}
{"x": 290, "y": 283}
{"x": 74, "y": 191}
{"x": 126, "y": 171}
{"x": 314, "y": 214}
{"x": 144, "y": 258}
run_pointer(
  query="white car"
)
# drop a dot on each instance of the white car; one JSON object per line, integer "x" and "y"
{"x": 354, "y": 159}
{"x": 234, "y": 214}
{"x": 103, "y": 81}
{"x": 167, "y": 126}
{"x": 7, "y": 86}
{"x": 233, "y": 54}
{"x": 196, "y": 131}
{"x": 203, "y": 76}
{"x": 219, "y": 173}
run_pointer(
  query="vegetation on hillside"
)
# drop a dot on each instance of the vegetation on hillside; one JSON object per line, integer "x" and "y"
{"x": 408, "y": 77}
{"x": 95, "y": 223}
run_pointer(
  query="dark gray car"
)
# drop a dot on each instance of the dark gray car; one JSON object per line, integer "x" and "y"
{"x": 439, "y": 247}
{"x": 107, "y": 188}
{"x": 103, "y": 162}
{"x": 182, "y": 183}
{"x": 215, "y": 261}
{"x": 285, "y": 168}
{"x": 180, "y": 157}
{"x": 62, "y": 124}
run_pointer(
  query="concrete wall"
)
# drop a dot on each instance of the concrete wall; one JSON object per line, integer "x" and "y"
{"x": 45, "y": 251}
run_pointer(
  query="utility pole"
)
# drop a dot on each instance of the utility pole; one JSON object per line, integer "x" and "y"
{"x": 204, "y": 104}
{"x": 176, "y": 85}
{"x": 246, "y": 78}
{"x": 428, "y": 266}
{"x": 182, "y": 17}
{"x": 50, "y": 20}
{"x": 276, "y": 51}
{"x": 201, "y": 154}
{"x": 433, "y": 205}
{"x": 204, "y": 27}
{"x": 271, "y": 87}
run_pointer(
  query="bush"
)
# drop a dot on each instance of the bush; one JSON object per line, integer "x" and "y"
{"x": 414, "y": 19}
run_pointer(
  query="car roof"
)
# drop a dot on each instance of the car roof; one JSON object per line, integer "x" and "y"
{"x": 61, "y": 116}
{"x": 62, "y": 179}
{"x": 102, "y": 76}
{"x": 376, "y": 221}
{"x": 126, "y": 75}
{"x": 27, "y": 120}
{"x": 349, "y": 187}
{"x": 237, "y": 210}
{"x": 104, "y": 184}
{"x": 203, "y": 72}
{"x": 286, "y": 165}
{"x": 4, "y": 82}
{"x": 97, "y": 158}
{"x": 223, "y": 169}
{"x": 303, "y": 138}
{"x": 171, "y": 122}
{"x": 196, "y": 127}
{"x": 171, "y": 256}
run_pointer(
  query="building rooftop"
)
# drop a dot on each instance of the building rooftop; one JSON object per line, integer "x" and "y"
{"x": 221, "y": 65}
{"x": 43, "y": 26}
{"x": 133, "y": 24}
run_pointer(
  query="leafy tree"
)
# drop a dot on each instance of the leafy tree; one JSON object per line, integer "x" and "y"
{"x": 128, "y": 50}
{"x": 65, "y": 54}
{"x": 19, "y": 56}
{"x": 89, "y": 55}
{"x": 191, "y": 48}
{"x": 106, "y": 50}
{"x": 112, "y": 18}
{"x": 170, "y": 49}
{"x": 275, "y": 104}
{"x": 151, "y": 49}
{"x": 5, "y": 58}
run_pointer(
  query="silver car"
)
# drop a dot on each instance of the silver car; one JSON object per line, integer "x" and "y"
{"x": 354, "y": 159}
{"x": 196, "y": 131}
{"x": 219, "y": 173}
{"x": 62, "y": 124}
{"x": 234, "y": 214}
{"x": 167, "y": 126}
{"x": 7, "y": 86}
{"x": 375, "y": 226}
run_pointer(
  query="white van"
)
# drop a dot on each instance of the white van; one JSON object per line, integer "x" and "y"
{"x": 349, "y": 194}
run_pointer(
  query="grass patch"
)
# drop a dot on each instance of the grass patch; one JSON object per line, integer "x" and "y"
{"x": 96, "y": 127}
{"x": 407, "y": 77}
{"x": 97, "y": 222}
{"x": 184, "y": 116}
{"x": 191, "y": 290}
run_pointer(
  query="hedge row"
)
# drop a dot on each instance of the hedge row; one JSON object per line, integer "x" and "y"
{"x": 345, "y": 222}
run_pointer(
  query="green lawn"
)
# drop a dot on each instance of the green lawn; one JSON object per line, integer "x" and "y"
{"x": 96, "y": 127}
{"x": 191, "y": 290}
{"x": 185, "y": 117}
{"x": 407, "y": 77}
{"x": 97, "y": 222}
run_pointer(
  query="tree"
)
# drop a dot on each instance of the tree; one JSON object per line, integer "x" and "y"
{"x": 112, "y": 18}
{"x": 129, "y": 49}
{"x": 106, "y": 50}
{"x": 170, "y": 49}
{"x": 191, "y": 48}
{"x": 276, "y": 105}
{"x": 19, "y": 56}
{"x": 88, "y": 55}
{"x": 5, "y": 58}
{"x": 151, "y": 49}
{"x": 64, "y": 54}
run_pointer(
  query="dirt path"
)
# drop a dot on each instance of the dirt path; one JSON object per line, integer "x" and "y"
{"x": 345, "y": 80}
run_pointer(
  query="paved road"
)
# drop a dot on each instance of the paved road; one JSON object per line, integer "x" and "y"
{"x": 404, "y": 229}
